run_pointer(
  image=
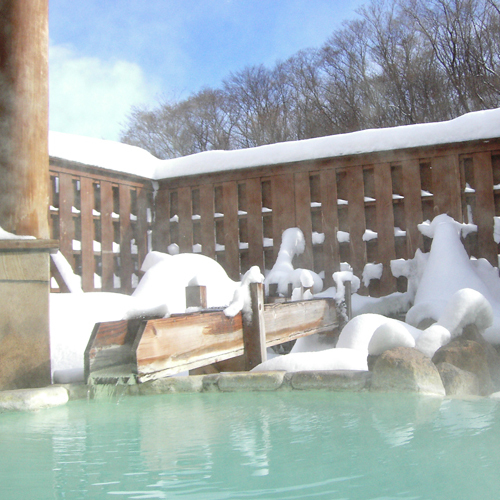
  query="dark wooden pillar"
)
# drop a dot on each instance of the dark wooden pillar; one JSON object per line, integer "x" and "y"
{"x": 24, "y": 160}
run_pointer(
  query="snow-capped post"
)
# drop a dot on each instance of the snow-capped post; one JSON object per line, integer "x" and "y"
{"x": 24, "y": 104}
{"x": 254, "y": 330}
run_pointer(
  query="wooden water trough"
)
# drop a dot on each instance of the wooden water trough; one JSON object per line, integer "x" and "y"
{"x": 147, "y": 349}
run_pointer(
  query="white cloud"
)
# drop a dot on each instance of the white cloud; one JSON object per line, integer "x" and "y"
{"x": 92, "y": 97}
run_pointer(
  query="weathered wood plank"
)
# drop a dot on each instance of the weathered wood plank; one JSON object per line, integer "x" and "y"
{"x": 66, "y": 223}
{"x": 126, "y": 264}
{"x": 111, "y": 345}
{"x": 161, "y": 347}
{"x": 412, "y": 205}
{"x": 485, "y": 207}
{"x": 231, "y": 230}
{"x": 161, "y": 227}
{"x": 385, "y": 226}
{"x": 171, "y": 345}
{"x": 107, "y": 237}
{"x": 207, "y": 209}
{"x": 254, "y": 329}
{"x": 87, "y": 221}
{"x": 283, "y": 201}
{"x": 328, "y": 193}
{"x": 356, "y": 219}
{"x": 141, "y": 229}
{"x": 446, "y": 186}
{"x": 290, "y": 320}
{"x": 303, "y": 216}
{"x": 255, "y": 223}
{"x": 185, "y": 207}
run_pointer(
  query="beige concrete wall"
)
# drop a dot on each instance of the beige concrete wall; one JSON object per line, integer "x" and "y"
{"x": 24, "y": 318}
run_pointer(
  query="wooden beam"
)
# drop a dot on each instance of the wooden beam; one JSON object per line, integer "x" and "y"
{"x": 24, "y": 158}
{"x": 185, "y": 214}
{"x": 446, "y": 186}
{"x": 66, "y": 222}
{"x": 385, "y": 226}
{"x": 207, "y": 209}
{"x": 412, "y": 192}
{"x": 303, "y": 216}
{"x": 231, "y": 230}
{"x": 87, "y": 242}
{"x": 329, "y": 214}
{"x": 485, "y": 207}
{"x": 107, "y": 237}
{"x": 356, "y": 218}
{"x": 254, "y": 328}
{"x": 161, "y": 226}
{"x": 126, "y": 266}
{"x": 283, "y": 196}
{"x": 255, "y": 224}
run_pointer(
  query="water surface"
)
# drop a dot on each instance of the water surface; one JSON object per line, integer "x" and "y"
{"x": 285, "y": 445}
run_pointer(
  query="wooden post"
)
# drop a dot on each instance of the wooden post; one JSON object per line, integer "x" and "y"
{"x": 347, "y": 298}
{"x": 24, "y": 159}
{"x": 24, "y": 194}
{"x": 254, "y": 330}
{"x": 196, "y": 296}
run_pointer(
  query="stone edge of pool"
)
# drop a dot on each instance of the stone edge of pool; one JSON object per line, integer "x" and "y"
{"x": 335, "y": 381}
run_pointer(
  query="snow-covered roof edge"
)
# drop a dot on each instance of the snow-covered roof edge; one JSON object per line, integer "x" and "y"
{"x": 479, "y": 125}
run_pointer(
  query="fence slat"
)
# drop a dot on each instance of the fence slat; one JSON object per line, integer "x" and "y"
{"x": 283, "y": 201}
{"x": 141, "y": 230}
{"x": 356, "y": 219}
{"x": 87, "y": 221}
{"x": 485, "y": 207}
{"x": 303, "y": 216}
{"x": 66, "y": 223}
{"x": 126, "y": 265}
{"x": 385, "y": 225}
{"x": 207, "y": 209}
{"x": 328, "y": 187}
{"x": 446, "y": 186}
{"x": 412, "y": 193}
{"x": 255, "y": 224}
{"x": 231, "y": 230}
{"x": 161, "y": 227}
{"x": 185, "y": 219}
{"x": 107, "y": 237}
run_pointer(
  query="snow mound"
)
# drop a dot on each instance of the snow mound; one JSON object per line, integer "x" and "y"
{"x": 330, "y": 359}
{"x": 292, "y": 243}
{"x": 389, "y": 335}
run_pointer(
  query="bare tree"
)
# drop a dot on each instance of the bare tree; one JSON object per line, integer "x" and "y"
{"x": 399, "y": 62}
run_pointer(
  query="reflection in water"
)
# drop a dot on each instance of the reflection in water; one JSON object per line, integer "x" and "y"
{"x": 253, "y": 445}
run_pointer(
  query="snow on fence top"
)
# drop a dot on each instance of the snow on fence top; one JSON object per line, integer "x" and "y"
{"x": 133, "y": 160}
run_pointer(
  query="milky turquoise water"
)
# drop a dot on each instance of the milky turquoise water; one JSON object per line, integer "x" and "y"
{"x": 296, "y": 445}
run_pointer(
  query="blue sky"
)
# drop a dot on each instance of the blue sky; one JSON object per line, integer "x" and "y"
{"x": 107, "y": 55}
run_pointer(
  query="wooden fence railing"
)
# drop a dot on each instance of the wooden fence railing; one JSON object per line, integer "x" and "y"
{"x": 102, "y": 220}
{"x": 358, "y": 209}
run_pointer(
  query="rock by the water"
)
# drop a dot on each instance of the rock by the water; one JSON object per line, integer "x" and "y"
{"x": 471, "y": 332}
{"x": 458, "y": 382}
{"x": 405, "y": 369}
{"x": 470, "y": 356}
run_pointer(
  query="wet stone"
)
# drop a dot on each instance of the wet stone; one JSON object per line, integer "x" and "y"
{"x": 259, "y": 381}
{"x": 335, "y": 380}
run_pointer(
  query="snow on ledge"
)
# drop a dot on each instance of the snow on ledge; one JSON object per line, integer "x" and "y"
{"x": 479, "y": 125}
